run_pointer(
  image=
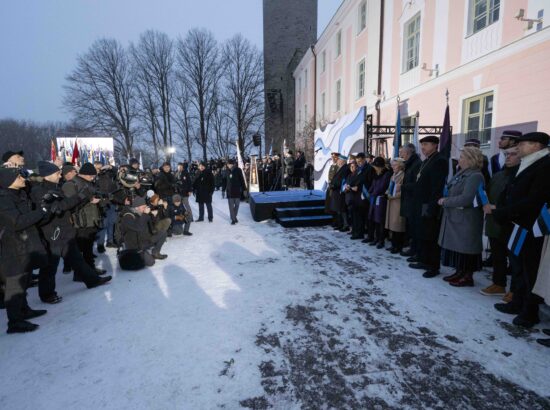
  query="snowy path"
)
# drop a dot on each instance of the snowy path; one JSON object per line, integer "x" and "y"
{"x": 257, "y": 316}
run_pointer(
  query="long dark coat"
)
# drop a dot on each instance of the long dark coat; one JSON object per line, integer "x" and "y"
{"x": 412, "y": 165}
{"x": 235, "y": 183}
{"x": 377, "y": 196}
{"x": 337, "y": 200}
{"x": 165, "y": 184}
{"x": 353, "y": 198}
{"x": 331, "y": 172}
{"x": 21, "y": 248}
{"x": 428, "y": 189}
{"x": 203, "y": 186}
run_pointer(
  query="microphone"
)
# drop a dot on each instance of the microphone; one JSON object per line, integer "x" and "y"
{"x": 318, "y": 149}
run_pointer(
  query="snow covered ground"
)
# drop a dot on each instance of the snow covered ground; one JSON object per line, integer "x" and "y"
{"x": 258, "y": 316}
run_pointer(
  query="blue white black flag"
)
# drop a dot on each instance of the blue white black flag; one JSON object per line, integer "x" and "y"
{"x": 542, "y": 224}
{"x": 515, "y": 243}
{"x": 392, "y": 188}
{"x": 364, "y": 192}
{"x": 325, "y": 186}
{"x": 481, "y": 196}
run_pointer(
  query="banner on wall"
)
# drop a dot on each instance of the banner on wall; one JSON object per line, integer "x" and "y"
{"x": 345, "y": 136}
{"x": 89, "y": 149}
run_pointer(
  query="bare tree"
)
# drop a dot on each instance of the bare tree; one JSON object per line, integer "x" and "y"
{"x": 222, "y": 143}
{"x": 243, "y": 88}
{"x": 199, "y": 69}
{"x": 99, "y": 92}
{"x": 154, "y": 61}
{"x": 183, "y": 117}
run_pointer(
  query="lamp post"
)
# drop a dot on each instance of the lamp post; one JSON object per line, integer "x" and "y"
{"x": 171, "y": 151}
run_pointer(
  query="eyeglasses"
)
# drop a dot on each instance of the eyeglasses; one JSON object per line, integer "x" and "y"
{"x": 511, "y": 154}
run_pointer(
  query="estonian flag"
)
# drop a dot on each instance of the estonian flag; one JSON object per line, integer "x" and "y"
{"x": 515, "y": 243}
{"x": 325, "y": 186}
{"x": 481, "y": 197}
{"x": 392, "y": 188}
{"x": 542, "y": 224}
{"x": 343, "y": 187}
{"x": 445, "y": 191}
{"x": 365, "y": 192}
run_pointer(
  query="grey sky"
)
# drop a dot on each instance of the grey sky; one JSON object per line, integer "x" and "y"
{"x": 40, "y": 39}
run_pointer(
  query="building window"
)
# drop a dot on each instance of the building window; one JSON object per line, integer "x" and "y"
{"x": 540, "y": 15}
{"x": 361, "y": 79}
{"x": 323, "y": 61}
{"x": 478, "y": 117}
{"x": 338, "y": 94}
{"x": 483, "y": 14}
{"x": 407, "y": 122}
{"x": 338, "y": 43}
{"x": 411, "y": 43}
{"x": 323, "y": 105}
{"x": 362, "y": 16}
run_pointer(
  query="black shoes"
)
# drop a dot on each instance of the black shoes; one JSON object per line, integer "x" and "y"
{"x": 236, "y": 220}
{"x": 100, "y": 248}
{"x": 21, "y": 327}
{"x": 544, "y": 342}
{"x": 111, "y": 245}
{"x": 407, "y": 253}
{"x": 200, "y": 220}
{"x": 233, "y": 222}
{"x": 546, "y": 332}
{"x": 52, "y": 300}
{"x": 418, "y": 265}
{"x": 210, "y": 220}
{"x": 31, "y": 313}
{"x": 102, "y": 281}
{"x": 187, "y": 233}
{"x": 528, "y": 323}
{"x": 508, "y": 308}
{"x": 158, "y": 255}
{"x": 430, "y": 274}
{"x": 412, "y": 259}
{"x": 100, "y": 271}
{"x": 380, "y": 245}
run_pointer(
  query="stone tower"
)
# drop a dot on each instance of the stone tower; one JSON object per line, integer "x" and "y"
{"x": 290, "y": 28}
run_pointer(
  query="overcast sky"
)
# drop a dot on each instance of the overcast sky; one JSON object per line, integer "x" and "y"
{"x": 40, "y": 39}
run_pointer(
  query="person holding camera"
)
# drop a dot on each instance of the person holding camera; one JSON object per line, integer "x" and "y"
{"x": 179, "y": 217}
{"x": 87, "y": 216}
{"x": 59, "y": 233}
{"x": 142, "y": 242}
{"x": 105, "y": 183}
{"x": 184, "y": 186}
{"x": 21, "y": 248}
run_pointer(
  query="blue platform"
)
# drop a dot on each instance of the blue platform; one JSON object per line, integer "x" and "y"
{"x": 290, "y": 208}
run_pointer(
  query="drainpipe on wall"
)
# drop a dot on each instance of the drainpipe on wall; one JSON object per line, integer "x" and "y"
{"x": 314, "y": 89}
{"x": 380, "y": 55}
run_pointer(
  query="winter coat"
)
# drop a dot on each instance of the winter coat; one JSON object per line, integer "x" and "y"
{"x": 542, "y": 285}
{"x": 394, "y": 221}
{"x": 165, "y": 184}
{"x": 495, "y": 189}
{"x": 58, "y": 229}
{"x": 21, "y": 248}
{"x": 428, "y": 189}
{"x": 377, "y": 197}
{"x": 203, "y": 186}
{"x": 462, "y": 224}
{"x": 331, "y": 172}
{"x": 235, "y": 183}
{"x": 353, "y": 198}
{"x": 177, "y": 214}
{"x": 137, "y": 230}
{"x": 183, "y": 183}
{"x": 337, "y": 200}
{"x": 412, "y": 165}
{"x": 86, "y": 215}
{"x": 289, "y": 165}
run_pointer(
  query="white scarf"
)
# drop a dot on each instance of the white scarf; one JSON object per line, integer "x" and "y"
{"x": 531, "y": 159}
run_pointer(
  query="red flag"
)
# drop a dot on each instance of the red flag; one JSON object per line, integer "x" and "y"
{"x": 53, "y": 151}
{"x": 76, "y": 154}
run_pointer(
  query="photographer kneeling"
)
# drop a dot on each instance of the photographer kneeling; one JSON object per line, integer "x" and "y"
{"x": 139, "y": 236}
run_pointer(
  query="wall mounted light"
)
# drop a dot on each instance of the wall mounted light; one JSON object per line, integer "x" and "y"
{"x": 530, "y": 22}
{"x": 431, "y": 70}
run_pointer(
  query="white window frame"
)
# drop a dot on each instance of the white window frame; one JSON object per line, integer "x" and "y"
{"x": 411, "y": 40}
{"x": 487, "y": 16}
{"x": 338, "y": 93}
{"x": 361, "y": 17}
{"x": 484, "y": 131}
{"x": 361, "y": 81}
{"x": 338, "y": 43}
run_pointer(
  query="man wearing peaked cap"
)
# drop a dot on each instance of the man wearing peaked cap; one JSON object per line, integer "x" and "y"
{"x": 508, "y": 139}
{"x": 12, "y": 159}
{"x": 521, "y": 203}
{"x": 430, "y": 138}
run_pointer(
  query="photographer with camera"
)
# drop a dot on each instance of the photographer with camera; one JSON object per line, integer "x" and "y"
{"x": 87, "y": 216}
{"x": 105, "y": 183}
{"x": 141, "y": 241}
{"x": 179, "y": 217}
{"x": 21, "y": 248}
{"x": 184, "y": 187}
{"x": 59, "y": 233}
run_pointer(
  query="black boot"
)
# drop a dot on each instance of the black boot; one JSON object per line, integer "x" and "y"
{"x": 158, "y": 255}
{"x": 21, "y": 326}
{"x": 29, "y": 313}
{"x": 100, "y": 248}
{"x": 102, "y": 281}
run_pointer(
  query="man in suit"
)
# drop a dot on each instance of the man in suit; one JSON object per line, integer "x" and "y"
{"x": 430, "y": 182}
{"x": 203, "y": 186}
{"x": 507, "y": 140}
{"x": 521, "y": 204}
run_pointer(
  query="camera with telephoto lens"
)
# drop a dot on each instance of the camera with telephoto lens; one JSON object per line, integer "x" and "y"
{"x": 49, "y": 200}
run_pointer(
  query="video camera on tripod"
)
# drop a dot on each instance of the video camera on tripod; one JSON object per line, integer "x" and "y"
{"x": 130, "y": 179}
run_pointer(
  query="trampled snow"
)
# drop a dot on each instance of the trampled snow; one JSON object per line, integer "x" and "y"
{"x": 259, "y": 316}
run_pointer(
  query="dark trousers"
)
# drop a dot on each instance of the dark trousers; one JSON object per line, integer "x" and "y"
{"x": 85, "y": 238}
{"x": 358, "y": 221}
{"x": 379, "y": 232}
{"x": 499, "y": 252}
{"x": 158, "y": 240}
{"x": 413, "y": 240}
{"x": 15, "y": 297}
{"x": 71, "y": 254}
{"x": 208, "y": 208}
{"x": 397, "y": 239}
{"x": 430, "y": 254}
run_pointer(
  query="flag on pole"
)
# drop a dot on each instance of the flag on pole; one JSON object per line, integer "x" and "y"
{"x": 76, "y": 154}
{"x": 542, "y": 224}
{"x": 445, "y": 142}
{"x": 392, "y": 188}
{"x": 285, "y": 147}
{"x": 240, "y": 161}
{"x": 53, "y": 151}
{"x": 140, "y": 161}
{"x": 415, "y": 134}
{"x": 397, "y": 136}
{"x": 271, "y": 150}
{"x": 515, "y": 243}
{"x": 325, "y": 186}
{"x": 480, "y": 199}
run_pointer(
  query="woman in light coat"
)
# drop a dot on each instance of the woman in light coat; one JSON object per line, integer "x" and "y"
{"x": 395, "y": 223}
{"x": 460, "y": 236}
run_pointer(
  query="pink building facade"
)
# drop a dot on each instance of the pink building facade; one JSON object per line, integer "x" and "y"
{"x": 494, "y": 64}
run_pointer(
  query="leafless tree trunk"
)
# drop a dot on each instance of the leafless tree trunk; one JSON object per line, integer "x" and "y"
{"x": 100, "y": 94}
{"x": 199, "y": 69}
{"x": 153, "y": 59}
{"x": 183, "y": 118}
{"x": 219, "y": 145}
{"x": 243, "y": 88}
